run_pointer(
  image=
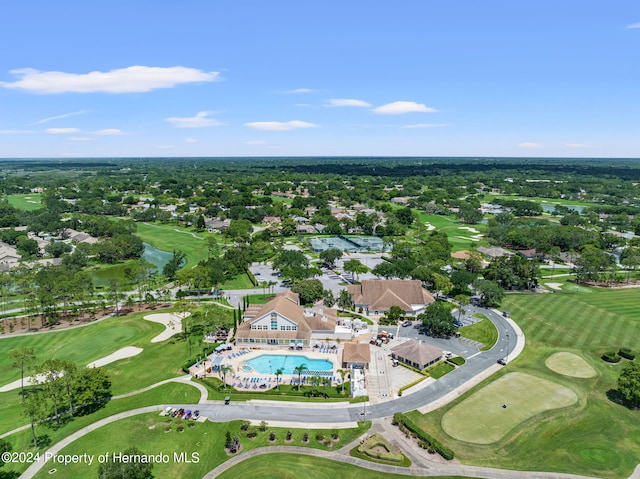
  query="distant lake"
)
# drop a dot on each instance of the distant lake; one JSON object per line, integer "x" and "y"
{"x": 549, "y": 208}
{"x": 156, "y": 256}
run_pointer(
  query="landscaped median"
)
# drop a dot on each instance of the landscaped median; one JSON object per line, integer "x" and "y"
{"x": 426, "y": 440}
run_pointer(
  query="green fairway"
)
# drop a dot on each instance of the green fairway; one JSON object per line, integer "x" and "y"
{"x": 595, "y": 436}
{"x": 171, "y": 237}
{"x": 294, "y": 466}
{"x": 28, "y": 202}
{"x": 154, "y": 434}
{"x": 157, "y": 361}
{"x": 569, "y": 364}
{"x": 482, "y": 417}
{"x": 170, "y": 393}
{"x": 460, "y": 236}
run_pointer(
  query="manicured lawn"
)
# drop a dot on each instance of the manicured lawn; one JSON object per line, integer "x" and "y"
{"x": 260, "y": 298}
{"x": 171, "y": 237}
{"x": 154, "y": 434}
{"x": 482, "y": 417}
{"x": 241, "y": 281}
{"x": 283, "y": 465}
{"x": 170, "y": 393}
{"x": 595, "y": 436}
{"x": 484, "y": 331}
{"x": 27, "y": 202}
{"x": 440, "y": 370}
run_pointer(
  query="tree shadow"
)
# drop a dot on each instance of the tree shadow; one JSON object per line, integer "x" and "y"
{"x": 614, "y": 396}
{"x": 9, "y": 475}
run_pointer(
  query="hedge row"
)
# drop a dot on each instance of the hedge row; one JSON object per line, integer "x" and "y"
{"x": 252, "y": 278}
{"x": 429, "y": 440}
{"x": 611, "y": 357}
{"x": 627, "y": 354}
{"x": 407, "y": 386}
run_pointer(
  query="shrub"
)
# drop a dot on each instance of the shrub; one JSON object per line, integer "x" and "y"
{"x": 611, "y": 357}
{"x": 627, "y": 354}
{"x": 429, "y": 440}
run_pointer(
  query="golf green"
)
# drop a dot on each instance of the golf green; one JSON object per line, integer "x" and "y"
{"x": 489, "y": 414}
{"x": 569, "y": 364}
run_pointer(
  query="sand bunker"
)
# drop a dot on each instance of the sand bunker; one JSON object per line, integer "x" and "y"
{"x": 28, "y": 381}
{"x": 429, "y": 226}
{"x": 569, "y": 364}
{"x": 556, "y": 286}
{"x": 123, "y": 353}
{"x": 172, "y": 322}
{"x": 469, "y": 228}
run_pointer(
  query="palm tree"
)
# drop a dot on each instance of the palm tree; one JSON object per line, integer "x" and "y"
{"x": 342, "y": 373}
{"x": 278, "y": 373}
{"x": 224, "y": 370}
{"x": 298, "y": 369}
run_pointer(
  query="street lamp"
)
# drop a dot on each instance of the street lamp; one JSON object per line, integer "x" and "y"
{"x": 507, "y": 356}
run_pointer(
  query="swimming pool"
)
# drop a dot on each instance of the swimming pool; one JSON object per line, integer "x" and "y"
{"x": 269, "y": 363}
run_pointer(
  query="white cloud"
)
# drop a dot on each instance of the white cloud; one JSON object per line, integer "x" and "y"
{"x": 81, "y": 138}
{"x": 578, "y": 145}
{"x": 198, "y": 121}
{"x": 191, "y": 140}
{"x": 299, "y": 90}
{"x": 280, "y": 125}
{"x": 347, "y": 102}
{"x": 633, "y": 25}
{"x": 426, "y": 125}
{"x": 109, "y": 132}
{"x": 401, "y": 107}
{"x": 255, "y": 142}
{"x": 134, "y": 79}
{"x": 62, "y": 131}
{"x": 59, "y": 117}
{"x": 529, "y": 145}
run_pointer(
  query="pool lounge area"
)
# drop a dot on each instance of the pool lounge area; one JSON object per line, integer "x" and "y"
{"x": 255, "y": 369}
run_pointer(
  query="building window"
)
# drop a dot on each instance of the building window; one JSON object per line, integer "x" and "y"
{"x": 274, "y": 321}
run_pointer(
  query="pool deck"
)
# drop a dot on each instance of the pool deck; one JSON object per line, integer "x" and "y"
{"x": 243, "y": 380}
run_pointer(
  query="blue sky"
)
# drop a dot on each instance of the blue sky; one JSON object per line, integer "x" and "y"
{"x": 301, "y": 78}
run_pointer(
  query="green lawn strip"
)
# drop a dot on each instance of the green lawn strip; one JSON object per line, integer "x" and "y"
{"x": 484, "y": 331}
{"x": 155, "y": 434}
{"x": 172, "y": 237}
{"x": 260, "y": 298}
{"x": 286, "y": 392}
{"x": 286, "y": 465}
{"x": 241, "y": 281}
{"x": 170, "y": 393}
{"x": 26, "y": 202}
{"x": 595, "y": 436}
{"x": 440, "y": 370}
{"x": 376, "y": 448}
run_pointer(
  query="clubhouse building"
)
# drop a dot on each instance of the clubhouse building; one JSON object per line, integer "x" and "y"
{"x": 376, "y": 297}
{"x": 282, "y": 322}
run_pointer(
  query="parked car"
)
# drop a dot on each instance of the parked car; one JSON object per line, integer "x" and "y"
{"x": 502, "y": 361}
{"x": 180, "y": 412}
{"x": 406, "y": 324}
{"x": 174, "y": 412}
{"x": 187, "y": 414}
{"x": 196, "y": 414}
{"x": 458, "y": 324}
{"x": 168, "y": 410}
